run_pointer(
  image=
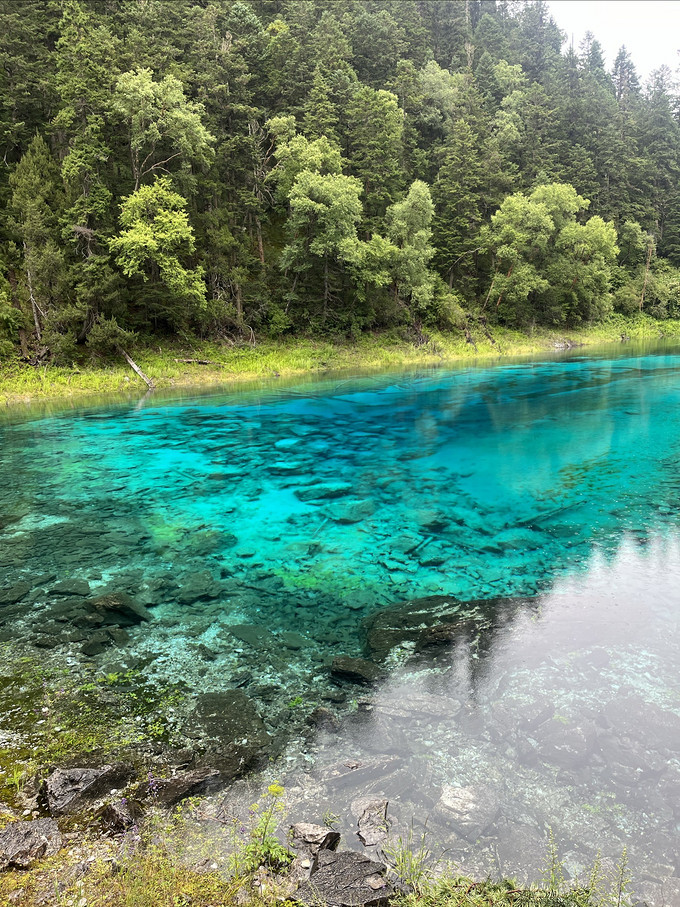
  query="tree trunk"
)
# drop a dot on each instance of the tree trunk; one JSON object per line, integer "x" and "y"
{"x": 326, "y": 291}
{"x": 260, "y": 242}
{"x": 644, "y": 284}
{"x": 133, "y": 365}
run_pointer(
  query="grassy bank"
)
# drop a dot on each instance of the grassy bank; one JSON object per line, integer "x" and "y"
{"x": 297, "y": 356}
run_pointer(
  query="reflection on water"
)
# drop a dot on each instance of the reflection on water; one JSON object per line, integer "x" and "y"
{"x": 270, "y": 533}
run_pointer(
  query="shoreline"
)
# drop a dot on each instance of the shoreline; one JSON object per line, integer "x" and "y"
{"x": 219, "y": 364}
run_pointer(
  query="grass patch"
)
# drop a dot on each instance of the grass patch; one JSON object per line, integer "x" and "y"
{"x": 297, "y": 356}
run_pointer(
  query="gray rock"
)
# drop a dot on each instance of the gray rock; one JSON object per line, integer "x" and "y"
{"x": 311, "y": 838}
{"x": 14, "y": 594}
{"x": 356, "y": 670}
{"x": 97, "y": 643}
{"x": 198, "y": 586}
{"x": 169, "y": 791}
{"x": 120, "y": 815}
{"x": 252, "y": 634}
{"x": 238, "y": 733}
{"x": 323, "y": 492}
{"x": 346, "y": 879}
{"x": 118, "y": 608}
{"x": 469, "y": 810}
{"x": 67, "y": 790}
{"x": 23, "y": 843}
{"x": 71, "y": 587}
{"x": 373, "y": 824}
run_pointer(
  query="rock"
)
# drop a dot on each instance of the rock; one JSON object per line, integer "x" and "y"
{"x": 238, "y": 733}
{"x": 568, "y": 747}
{"x": 252, "y": 634}
{"x": 71, "y": 587}
{"x": 97, "y": 643}
{"x": 23, "y": 843}
{"x": 169, "y": 791}
{"x": 373, "y": 824}
{"x": 356, "y": 670}
{"x": 311, "y": 838}
{"x": 117, "y": 817}
{"x": 323, "y": 719}
{"x": 199, "y": 586}
{"x": 118, "y": 608}
{"x": 323, "y": 492}
{"x": 432, "y": 621}
{"x": 14, "y": 594}
{"x": 350, "y": 512}
{"x": 67, "y": 790}
{"x": 346, "y": 879}
{"x": 294, "y": 641}
{"x": 469, "y": 810}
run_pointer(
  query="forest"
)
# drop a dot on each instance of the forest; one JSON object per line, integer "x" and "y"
{"x": 240, "y": 169}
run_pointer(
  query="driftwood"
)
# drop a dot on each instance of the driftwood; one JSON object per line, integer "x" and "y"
{"x": 199, "y": 361}
{"x": 133, "y": 365}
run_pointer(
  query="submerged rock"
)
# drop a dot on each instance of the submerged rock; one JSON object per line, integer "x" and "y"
{"x": 118, "y": 608}
{"x": 469, "y": 810}
{"x": 346, "y": 879}
{"x": 372, "y": 822}
{"x": 356, "y": 670}
{"x": 239, "y": 737}
{"x": 23, "y": 843}
{"x": 14, "y": 594}
{"x": 432, "y": 622}
{"x": 71, "y": 587}
{"x": 169, "y": 791}
{"x": 311, "y": 838}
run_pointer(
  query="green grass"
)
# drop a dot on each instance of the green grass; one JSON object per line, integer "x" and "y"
{"x": 296, "y": 356}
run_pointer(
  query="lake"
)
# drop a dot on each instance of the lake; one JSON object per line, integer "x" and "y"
{"x": 499, "y": 544}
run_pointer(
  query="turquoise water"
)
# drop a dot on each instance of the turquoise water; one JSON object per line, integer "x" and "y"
{"x": 547, "y": 492}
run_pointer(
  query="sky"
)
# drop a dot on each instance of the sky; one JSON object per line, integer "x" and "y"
{"x": 650, "y": 29}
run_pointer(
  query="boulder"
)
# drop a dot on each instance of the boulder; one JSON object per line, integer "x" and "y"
{"x": 252, "y": 634}
{"x": 356, "y": 670}
{"x": 469, "y": 810}
{"x": 119, "y": 815}
{"x": 346, "y": 879}
{"x": 67, "y": 790}
{"x": 23, "y": 843}
{"x": 323, "y": 492}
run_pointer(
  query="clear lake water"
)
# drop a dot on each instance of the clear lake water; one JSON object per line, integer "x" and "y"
{"x": 536, "y": 504}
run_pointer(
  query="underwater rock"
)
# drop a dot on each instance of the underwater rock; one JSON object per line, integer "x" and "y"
{"x": 23, "y": 843}
{"x": 97, "y": 643}
{"x": 469, "y": 810}
{"x": 346, "y": 879}
{"x": 568, "y": 747}
{"x": 198, "y": 586}
{"x": 323, "y": 492}
{"x": 294, "y": 641}
{"x": 355, "y": 670}
{"x": 238, "y": 733}
{"x": 14, "y": 594}
{"x": 431, "y": 621}
{"x": 350, "y": 512}
{"x": 71, "y": 587}
{"x": 312, "y": 838}
{"x": 118, "y": 608}
{"x": 324, "y": 720}
{"x": 252, "y": 634}
{"x": 66, "y": 790}
{"x": 372, "y": 822}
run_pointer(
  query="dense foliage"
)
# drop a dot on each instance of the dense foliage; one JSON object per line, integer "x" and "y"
{"x": 230, "y": 168}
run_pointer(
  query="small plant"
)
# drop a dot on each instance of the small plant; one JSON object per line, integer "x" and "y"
{"x": 330, "y": 819}
{"x": 295, "y": 702}
{"x": 409, "y": 859}
{"x": 264, "y": 849}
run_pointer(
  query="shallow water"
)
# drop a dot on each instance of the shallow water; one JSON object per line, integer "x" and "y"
{"x": 301, "y": 512}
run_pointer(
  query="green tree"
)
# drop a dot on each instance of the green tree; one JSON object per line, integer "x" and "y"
{"x": 163, "y": 126}
{"x": 550, "y": 268}
{"x": 375, "y": 150}
{"x": 155, "y": 238}
{"x": 325, "y": 210}
{"x": 409, "y": 229}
